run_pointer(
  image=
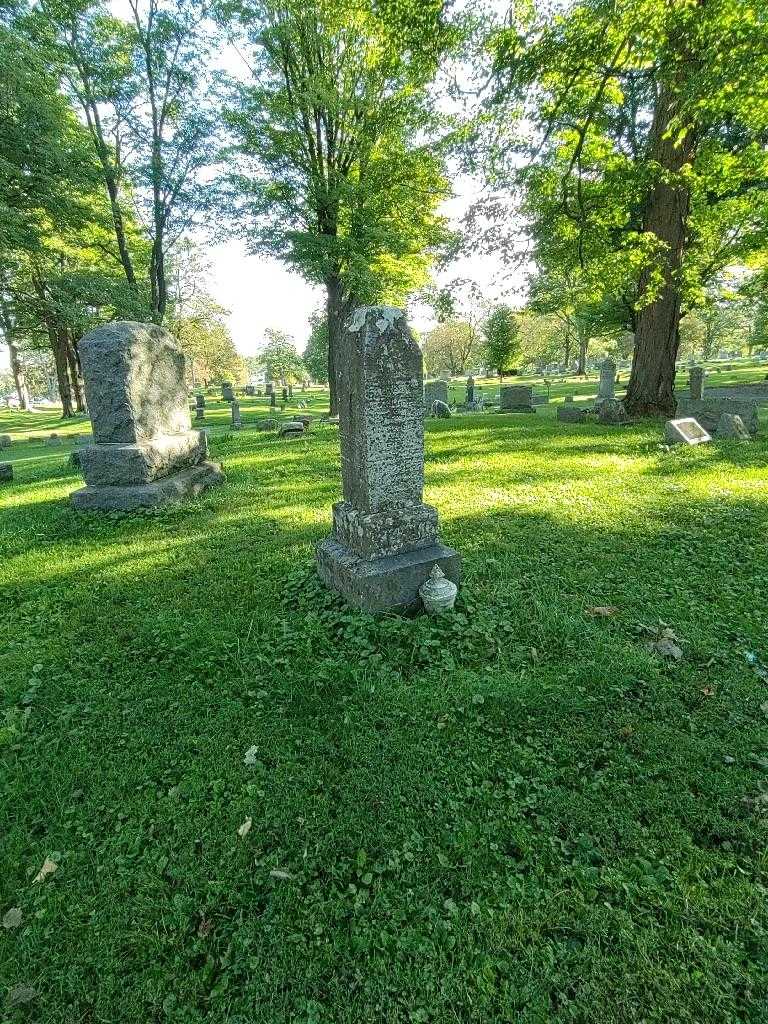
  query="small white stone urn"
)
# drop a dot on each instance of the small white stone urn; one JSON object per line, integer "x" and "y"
{"x": 438, "y": 593}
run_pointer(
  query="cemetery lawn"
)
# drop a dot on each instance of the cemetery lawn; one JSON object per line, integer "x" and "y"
{"x": 264, "y": 808}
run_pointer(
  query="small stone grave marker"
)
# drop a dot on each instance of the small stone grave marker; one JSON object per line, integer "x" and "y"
{"x": 685, "y": 431}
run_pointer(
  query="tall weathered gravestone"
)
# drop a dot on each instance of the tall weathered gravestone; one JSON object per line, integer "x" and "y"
{"x": 435, "y": 391}
{"x": 384, "y": 541}
{"x": 144, "y": 453}
{"x": 515, "y": 398}
{"x": 696, "y": 383}
{"x": 227, "y": 394}
{"x": 606, "y": 391}
{"x": 199, "y": 407}
{"x": 237, "y": 421}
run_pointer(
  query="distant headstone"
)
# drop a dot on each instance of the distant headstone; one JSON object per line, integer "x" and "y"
{"x": 696, "y": 383}
{"x": 384, "y": 542}
{"x": 515, "y": 398}
{"x": 709, "y": 410}
{"x": 236, "y": 419}
{"x": 612, "y": 413}
{"x": 731, "y": 428}
{"x": 267, "y": 424}
{"x": 441, "y": 410}
{"x": 6, "y": 472}
{"x": 607, "y": 388}
{"x": 227, "y": 394}
{"x": 269, "y": 388}
{"x": 54, "y": 440}
{"x": 571, "y": 414}
{"x": 199, "y": 407}
{"x": 305, "y": 419}
{"x": 292, "y": 429}
{"x": 272, "y": 399}
{"x": 685, "y": 431}
{"x": 470, "y": 395}
{"x": 5, "y": 440}
{"x": 144, "y": 453}
{"x": 435, "y": 391}
{"x": 250, "y": 390}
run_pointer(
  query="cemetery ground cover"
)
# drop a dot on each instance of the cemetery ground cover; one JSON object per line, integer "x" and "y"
{"x": 265, "y": 808}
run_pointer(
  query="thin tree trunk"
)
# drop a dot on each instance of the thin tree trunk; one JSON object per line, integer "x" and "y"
{"x": 581, "y": 366}
{"x": 17, "y": 367}
{"x": 651, "y": 389}
{"x": 335, "y": 312}
{"x": 58, "y": 339}
{"x": 74, "y": 372}
{"x": 567, "y": 354}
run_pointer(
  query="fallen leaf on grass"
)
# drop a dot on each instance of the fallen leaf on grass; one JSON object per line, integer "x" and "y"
{"x": 708, "y": 691}
{"x": 12, "y": 918}
{"x": 602, "y": 611}
{"x": 283, "y": 875}
{"x": 204, "y": 927}
{"x": 48, "y": 868}
{"x": 245, "y": 828}
{"x": 20, "y": 995}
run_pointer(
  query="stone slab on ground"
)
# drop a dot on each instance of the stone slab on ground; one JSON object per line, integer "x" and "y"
{"x": 685, "y": 431}
{"x": 709, "y": 409}
{"x": 611, "y": 413}
{"x": 187, "y": 484}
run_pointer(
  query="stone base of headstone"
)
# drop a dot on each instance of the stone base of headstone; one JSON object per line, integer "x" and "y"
{"x": 389, "y": 584}
{"x": 5, "y": 440}
{"x": 611, "y": 413}
{"x": 571, "y": 414}
{"x": 685, "y": 431}
{"x": 187, "y": 484}
{"x": 140, "y": 475}
{"x": 291, "y": 430}
{"x": 732, "y": 428}
{"x": 6, "y": 472}
{"x": 709, "y": 410}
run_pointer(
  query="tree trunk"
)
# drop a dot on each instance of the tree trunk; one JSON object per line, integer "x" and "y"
{"x": 581, "y": 366}
{"x": 335, "y": 309}
{"x": 17, "y": 368}
{"x": 657, "y": 338}
{"x": 73, "y": 360}
{"x": 58, "y": 339}
{"x": 567, "y": 353}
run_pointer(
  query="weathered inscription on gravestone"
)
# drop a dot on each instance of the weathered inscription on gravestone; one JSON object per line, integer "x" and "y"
{"x": 384, "y": 541}
{"x": 607, "y": 388}
{"x": 685, "y": 431}
{"x": 516, "y": 398}
{"x": 696, "y": 383}
{"x": 435, "y": 391}
{"x": 144, "y": 452}
{"x": 709, "y": 410}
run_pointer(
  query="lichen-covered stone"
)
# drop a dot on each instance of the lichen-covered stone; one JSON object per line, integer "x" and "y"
{"x": 607, "y": 387}
{"x": 118, "y": 465}
{"x": 732, "y": 428}
{"x": 611, "y": 413}
{"x": 134, "y": 383}
{"x": 292, "y": 428}
{"x": 709, "y": 410}
{"x": 145, "y": 454}
{"x": 384, "y": 540}
{"x": 516, "y": 398}
{"x": 571, "y": 414}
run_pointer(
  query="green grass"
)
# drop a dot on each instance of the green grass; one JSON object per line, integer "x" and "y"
{"x": 512, "y": 814}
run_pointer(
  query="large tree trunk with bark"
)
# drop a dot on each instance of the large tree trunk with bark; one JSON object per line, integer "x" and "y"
{"x": 652, "y": 382}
